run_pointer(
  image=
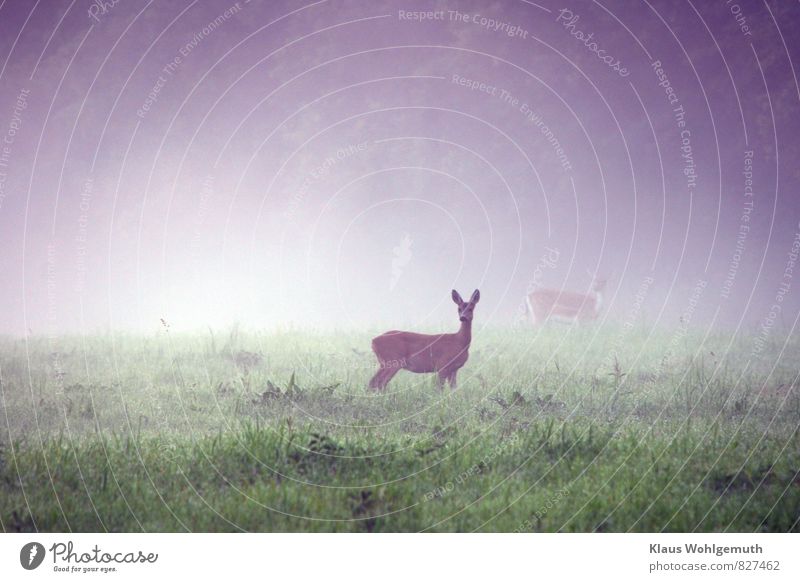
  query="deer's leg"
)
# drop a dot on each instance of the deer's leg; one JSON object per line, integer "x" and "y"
{"x": 377, "y": 382}
{"x": 388, "y": 374}
{"x": 452, "y": 379}
{"x": 441, "y": 379}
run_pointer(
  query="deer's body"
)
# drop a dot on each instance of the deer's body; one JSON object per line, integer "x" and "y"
{"x": 565, "y": 306}
{"x": 421, "y": 353}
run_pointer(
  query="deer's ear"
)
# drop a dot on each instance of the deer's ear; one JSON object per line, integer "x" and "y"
{"x": 476, "y": 296}
{"x": 457, "y": 298}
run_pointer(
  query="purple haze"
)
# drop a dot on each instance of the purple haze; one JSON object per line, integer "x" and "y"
{"x": 348, "y": 163}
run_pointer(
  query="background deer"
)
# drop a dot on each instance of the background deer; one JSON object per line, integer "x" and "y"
{"x": 421, "y": 353}
{"x": 565, "y": 306}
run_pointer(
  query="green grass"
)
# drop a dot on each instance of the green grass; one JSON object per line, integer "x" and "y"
{"x": 560, "y": 429}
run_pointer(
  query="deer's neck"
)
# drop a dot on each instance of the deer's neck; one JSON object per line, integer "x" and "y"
{"x": 465, "y": 333}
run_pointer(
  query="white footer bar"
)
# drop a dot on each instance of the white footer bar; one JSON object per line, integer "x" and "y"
{"x": 354, "y": 557}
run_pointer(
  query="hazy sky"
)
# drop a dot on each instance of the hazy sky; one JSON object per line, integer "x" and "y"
{"x": 348, "y": 163}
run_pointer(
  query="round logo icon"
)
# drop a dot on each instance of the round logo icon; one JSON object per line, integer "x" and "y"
{"x": 31, "y": 555}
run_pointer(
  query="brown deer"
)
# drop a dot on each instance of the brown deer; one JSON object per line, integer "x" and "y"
{"x": 566, "y": 306}
{"x": 421, "y": 353}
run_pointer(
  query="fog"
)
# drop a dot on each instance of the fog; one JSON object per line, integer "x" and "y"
{"x": 347, "y": 164}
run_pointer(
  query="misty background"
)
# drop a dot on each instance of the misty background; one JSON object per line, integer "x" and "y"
{"x": 346, "y": 164}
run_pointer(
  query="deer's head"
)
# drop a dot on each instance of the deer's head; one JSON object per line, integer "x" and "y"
{"x": 466, "y": 308}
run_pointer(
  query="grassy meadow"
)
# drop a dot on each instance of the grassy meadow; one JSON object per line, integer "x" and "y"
{"x": 555, "y": 429}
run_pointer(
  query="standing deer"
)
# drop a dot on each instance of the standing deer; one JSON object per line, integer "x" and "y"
{"x": 421, "y": 353}
{"x": 565, "y": 306}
